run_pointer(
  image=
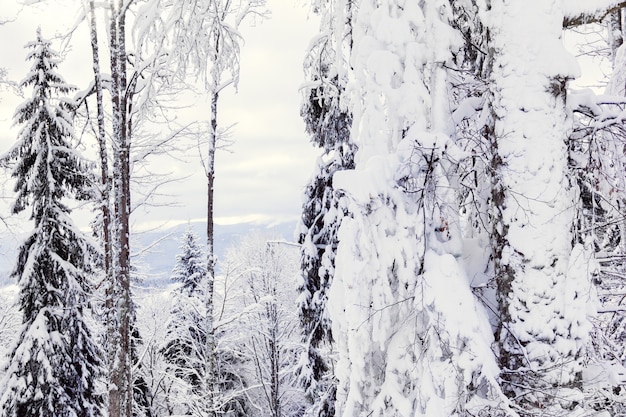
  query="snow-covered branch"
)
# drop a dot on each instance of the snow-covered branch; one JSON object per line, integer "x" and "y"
{"x": 604, "y": 110}
{"x": 581, "y": 12}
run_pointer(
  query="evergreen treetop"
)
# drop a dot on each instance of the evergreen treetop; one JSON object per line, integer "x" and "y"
{"x": 48, "y": 168}
{"x": 190, "y": 265}
{"x": 55, "y": 365}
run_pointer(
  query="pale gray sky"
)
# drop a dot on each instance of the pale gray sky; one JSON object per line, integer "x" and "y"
{"x": 271, "y": 160}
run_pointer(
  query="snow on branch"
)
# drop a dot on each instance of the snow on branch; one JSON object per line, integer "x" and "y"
{"x": 603, "y": 110}
{"x": 581, "y": 12}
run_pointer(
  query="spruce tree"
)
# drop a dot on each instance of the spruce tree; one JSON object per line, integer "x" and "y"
{"x": 185, "y": 338}
{"x": 403, "y": 350}
{"x": 328, "y": 122}
{"x": 53, "y": 368}
{"x": 190, "y": 266}
{"x": 185, "y": 344}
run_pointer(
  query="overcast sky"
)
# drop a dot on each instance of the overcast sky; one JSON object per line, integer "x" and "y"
{"x": 263, "y": 175}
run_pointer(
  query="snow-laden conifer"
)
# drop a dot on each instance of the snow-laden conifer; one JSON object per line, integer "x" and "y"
{"x": 412, "y": 339}
{"x": 328, "y": 122}
{"x": 54, "y": 366}
{"x": 185, "y": 342}
{"x": 190, "y": 268}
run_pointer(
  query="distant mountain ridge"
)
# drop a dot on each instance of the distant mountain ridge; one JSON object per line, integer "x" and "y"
{"x": 155, "y": 265}
{"x": 154, "y": 252}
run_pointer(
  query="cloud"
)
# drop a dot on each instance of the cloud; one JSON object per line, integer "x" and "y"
{"x": 271, "y": 157}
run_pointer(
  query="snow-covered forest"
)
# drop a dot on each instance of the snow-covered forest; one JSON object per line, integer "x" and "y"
{"x": 462, "y": 239}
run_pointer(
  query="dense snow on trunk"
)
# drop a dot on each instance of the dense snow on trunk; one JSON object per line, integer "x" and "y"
{"x": 542, "y": 288}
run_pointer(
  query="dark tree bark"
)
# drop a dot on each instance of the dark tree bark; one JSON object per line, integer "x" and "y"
{"x": 120, "y": 388}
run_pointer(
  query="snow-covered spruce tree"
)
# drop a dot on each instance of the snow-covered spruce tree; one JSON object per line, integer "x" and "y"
{"x": 190, "y": 267}
{"x": 408, "y": 345}
{"x": 328, "y": 122}
{"x": 185, "y": 344}
{"x": 53, "y": 368}
{"x": 185, "y": 339}
{"x": 542, "y": 280}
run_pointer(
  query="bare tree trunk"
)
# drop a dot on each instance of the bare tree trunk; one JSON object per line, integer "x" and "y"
{"x": 104, "y": 164}
{"x": 125, "y": 310}
{"x": 105, "y": 200}
{"x": 120, "y": 388}
{"x": 614, "y": 23}
{"x": 115, "y": 383}
{"x": 274, "y": 352}
{"x": 210, "y": 376}
{"x": 210, "y": 185}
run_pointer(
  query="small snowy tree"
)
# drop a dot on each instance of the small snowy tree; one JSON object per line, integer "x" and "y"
{"x": 185, "y": 338}
{"x": 54, "y": 367}
{"x": 190, "y": 267}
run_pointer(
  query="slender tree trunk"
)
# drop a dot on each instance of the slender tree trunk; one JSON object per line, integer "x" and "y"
{"x": 274, "y": 351}
{"x": 210, "y": 376}
{"x": 120, "y": 390}
{"x": 104, "y": 164}
{"x": 124, "y": 237}
{"x": 125, "y": 310}
{"x": 210, "y": 185}
{"x": 105, "y": 190}
{"x": 115, "y": 381}
{"x": 615, "y": 22}
{"x": 105, "y": 200}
